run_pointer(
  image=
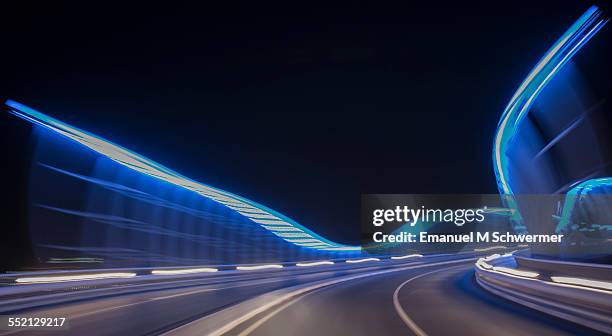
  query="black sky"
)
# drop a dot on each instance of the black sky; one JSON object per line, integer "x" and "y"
{"x": 301, "y": 108}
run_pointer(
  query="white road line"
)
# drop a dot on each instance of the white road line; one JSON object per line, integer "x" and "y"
{"x": 400, "y": 311}
{"x": 264, "y": 319}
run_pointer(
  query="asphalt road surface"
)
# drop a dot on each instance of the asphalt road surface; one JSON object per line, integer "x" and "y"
{"x": 438, "y": 300}
{"x": 437, "y": 296}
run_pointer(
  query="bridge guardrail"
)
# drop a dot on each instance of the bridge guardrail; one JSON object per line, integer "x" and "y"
{"x": 579, "y": 302}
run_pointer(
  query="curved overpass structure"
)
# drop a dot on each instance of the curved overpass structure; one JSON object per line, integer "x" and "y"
{"x": 280, "y": 225}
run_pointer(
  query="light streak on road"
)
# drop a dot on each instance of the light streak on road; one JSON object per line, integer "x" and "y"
{"x": 409, "y": 322}
{"x": 407, "y": 256}
{"x": 257, "y": 267}
{"x": 354, "y": 261}
{"x": 66, "y": 278}
{"x": 184, "y": 271}
{"x": 258, "y": 323}
{"x": 316, "y": 263}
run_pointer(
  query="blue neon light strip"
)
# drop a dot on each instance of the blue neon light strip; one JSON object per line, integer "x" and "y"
{"x": 275, "y": 222}
{"x": 518, "y": 107}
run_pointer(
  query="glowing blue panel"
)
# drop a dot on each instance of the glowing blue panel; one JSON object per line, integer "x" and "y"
{"x": 516, "y": 110}
{"x": 259, "y": 214}
{"x": 584, "y": 192}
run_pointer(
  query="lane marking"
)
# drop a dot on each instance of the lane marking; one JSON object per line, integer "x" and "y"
{"x": 264, "y": 319}
{"x": 400, "y": 311}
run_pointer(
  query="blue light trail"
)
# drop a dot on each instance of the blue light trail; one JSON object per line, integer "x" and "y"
{"x": 273, "y": 221}
{"x": 518, "y": 107}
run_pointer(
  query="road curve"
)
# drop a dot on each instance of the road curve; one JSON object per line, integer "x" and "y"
{"x": 425, "y": 296}
{"x": 438, "y": 300}
{"x": 154, "y": 310}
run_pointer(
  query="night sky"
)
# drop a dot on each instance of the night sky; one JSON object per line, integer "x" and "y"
{"x": 300, "y": 108}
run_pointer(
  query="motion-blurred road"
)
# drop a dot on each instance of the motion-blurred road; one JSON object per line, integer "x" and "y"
{"x": 424, "y": 296}
{"x": 439, "y": 300}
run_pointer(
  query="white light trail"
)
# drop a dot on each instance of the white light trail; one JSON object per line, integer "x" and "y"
{"x": 354, "y": 261}
{"x": 184, "y": 271}
{"x": 316, "y": 263}
{"x": 407, "y": 256}
{"x": 66, "y": 278}
{"x": 258, "y": 267}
